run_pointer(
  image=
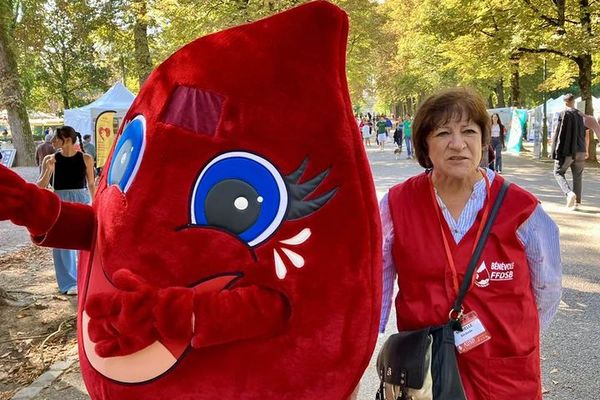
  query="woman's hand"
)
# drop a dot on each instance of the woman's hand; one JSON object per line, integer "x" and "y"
{"x": 51, "y": 164}
{"x": 48, "y": 168}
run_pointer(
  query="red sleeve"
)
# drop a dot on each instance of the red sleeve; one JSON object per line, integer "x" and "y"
{"x": 74, "y": 228}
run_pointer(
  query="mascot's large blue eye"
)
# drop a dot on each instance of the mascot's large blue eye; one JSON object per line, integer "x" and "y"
{"x": 241, "y": 193}
{"x": 128, "y": 153}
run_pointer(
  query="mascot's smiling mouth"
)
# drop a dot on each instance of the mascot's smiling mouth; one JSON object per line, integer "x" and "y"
{"x": 155, "y": 359}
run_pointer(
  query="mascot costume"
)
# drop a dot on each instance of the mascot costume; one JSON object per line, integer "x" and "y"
{"x": 232, "y": 250}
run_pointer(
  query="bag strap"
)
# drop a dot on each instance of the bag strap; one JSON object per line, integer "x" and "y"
{"x": 466, "y": 283}
{"x": 53, "y": 173}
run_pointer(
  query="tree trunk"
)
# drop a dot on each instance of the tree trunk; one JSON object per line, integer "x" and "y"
{"x": 500, "y": 93}
{"x": 140, "y": 35}
{"x": 515, "y": 90}
{"x": 12, "y": 95}
{"x": 584, "y": 64}
{"x": 490, "y": 101}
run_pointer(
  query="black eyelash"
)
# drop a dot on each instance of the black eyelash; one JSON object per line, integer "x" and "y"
{"x": 297, "y": 192}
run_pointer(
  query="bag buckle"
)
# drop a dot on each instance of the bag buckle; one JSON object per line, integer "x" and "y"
{"x": 454, "y": 315}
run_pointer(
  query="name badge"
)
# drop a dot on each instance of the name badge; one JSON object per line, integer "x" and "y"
{"x": 473, "y": 333}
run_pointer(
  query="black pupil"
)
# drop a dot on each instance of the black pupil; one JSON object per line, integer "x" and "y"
{"x": 233, "y": 205}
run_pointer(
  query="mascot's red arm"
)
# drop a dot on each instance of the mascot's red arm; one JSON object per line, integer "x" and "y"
{"x": 137, "y": 315}
{"x": 50, "y": 222}
{"x": 130, "y": 319}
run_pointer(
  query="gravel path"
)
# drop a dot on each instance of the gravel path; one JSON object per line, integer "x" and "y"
{"x": 12, "y": 237}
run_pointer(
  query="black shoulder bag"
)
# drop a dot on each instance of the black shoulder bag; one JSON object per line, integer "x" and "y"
{"x": 421, "y": 365}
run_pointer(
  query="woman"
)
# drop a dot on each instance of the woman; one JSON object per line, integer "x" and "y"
{"x": 498, "y": 132}
{"x": 365, "y": 129}
{"x": 71, "y": 174}
{"x": 430, "y": 225}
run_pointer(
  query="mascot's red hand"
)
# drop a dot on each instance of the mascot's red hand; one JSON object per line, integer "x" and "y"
{"x": 122, "y": 322}
{"x": 26, "y": 204}
{"x": 237, "y": 314}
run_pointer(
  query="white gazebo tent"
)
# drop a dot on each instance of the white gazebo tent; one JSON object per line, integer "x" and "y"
{"x": 118, "y": 98}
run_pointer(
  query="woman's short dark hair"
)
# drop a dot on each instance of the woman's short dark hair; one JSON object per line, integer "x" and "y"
{"x": 439, "y": 108}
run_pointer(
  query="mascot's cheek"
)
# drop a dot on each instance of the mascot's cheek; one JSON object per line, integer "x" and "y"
{"x": 112, "y": 210}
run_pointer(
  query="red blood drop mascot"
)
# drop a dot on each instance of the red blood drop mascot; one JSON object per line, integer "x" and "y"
{"x": 232, "y": 249}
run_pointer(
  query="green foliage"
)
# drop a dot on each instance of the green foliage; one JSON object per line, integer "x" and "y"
{"x": 398, "y": 50}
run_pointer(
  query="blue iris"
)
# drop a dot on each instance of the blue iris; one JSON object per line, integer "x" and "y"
{"x": 127, "y": 154}
{"x": 241, "y": 193}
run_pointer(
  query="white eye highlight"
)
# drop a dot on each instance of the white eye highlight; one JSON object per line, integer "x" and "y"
{"x": 241, "y": 203}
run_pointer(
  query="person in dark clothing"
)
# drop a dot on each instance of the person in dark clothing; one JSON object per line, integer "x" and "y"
{"x": 569, "y": 150}
{"x": 43, "y": 150}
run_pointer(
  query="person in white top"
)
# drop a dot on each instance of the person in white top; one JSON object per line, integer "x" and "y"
{"x": 497, "y": 143}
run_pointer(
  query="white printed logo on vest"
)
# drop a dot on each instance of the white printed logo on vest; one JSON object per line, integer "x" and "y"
{"x": 482, "y": 276}
{"x": 500, "y": 272}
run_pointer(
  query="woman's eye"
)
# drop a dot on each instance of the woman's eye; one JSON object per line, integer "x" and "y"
{"x": 471, "y": 132}
{"x": 128, "y": 154}
{"x": 241, "y": 193}
{"x": 442, "y": 133}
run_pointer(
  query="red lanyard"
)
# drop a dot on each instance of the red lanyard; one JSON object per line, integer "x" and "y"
{"x": 440, "y": 219}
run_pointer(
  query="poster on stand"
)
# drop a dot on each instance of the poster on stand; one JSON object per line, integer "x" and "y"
{"x": 105, "y": 135}
{"x": 8, "y": 157}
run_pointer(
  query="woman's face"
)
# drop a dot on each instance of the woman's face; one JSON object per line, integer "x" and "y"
{"x": 455, "y": 148}
{"x": 494, "y": 119}
{"x": 57, "y": 142}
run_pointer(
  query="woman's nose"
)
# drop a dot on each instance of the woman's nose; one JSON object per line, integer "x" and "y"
{"x": 456, "y": 141}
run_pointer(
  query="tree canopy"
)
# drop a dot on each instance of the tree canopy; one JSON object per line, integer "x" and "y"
{"x": 69, "y": 51}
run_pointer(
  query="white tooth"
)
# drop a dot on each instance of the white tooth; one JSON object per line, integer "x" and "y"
{"x": 280, "y": 269}
{"x": 298, "y": 239}
{"x": 295, "y": 258}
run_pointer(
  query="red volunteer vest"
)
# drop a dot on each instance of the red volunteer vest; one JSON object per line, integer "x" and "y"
{"x": 507, "y": 366}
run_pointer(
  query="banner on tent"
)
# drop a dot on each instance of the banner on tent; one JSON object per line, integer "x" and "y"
{"x": 105, "y": 136}
{"x": 517, "y": 127}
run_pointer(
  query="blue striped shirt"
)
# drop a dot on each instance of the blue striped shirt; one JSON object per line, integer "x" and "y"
{"x": 539, "y": 235}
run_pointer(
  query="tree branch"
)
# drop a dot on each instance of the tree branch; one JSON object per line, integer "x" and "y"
{"x": 550, "y": 20}
{"x": 550, "y": 51}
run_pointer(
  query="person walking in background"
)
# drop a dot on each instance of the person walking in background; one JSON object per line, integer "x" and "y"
{"x": 365, "y": 130}
{"x": 498, "y": 132}
{"x": 43, "y": 150}
{"x": 88, "y": 146}
{"x": 570, "y": 143}
{"x": 398, "y": 133}
{"x": 381, "y": 132}
{"x": 71, "y": 174}
{"x": 430, "y": 224}
{"x": 407, "y": 129}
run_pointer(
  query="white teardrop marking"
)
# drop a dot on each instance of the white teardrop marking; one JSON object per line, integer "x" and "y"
{"x": 295, "y": 258}
{"x": 280, "y": 269}
{"x": 298, "y": 239}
